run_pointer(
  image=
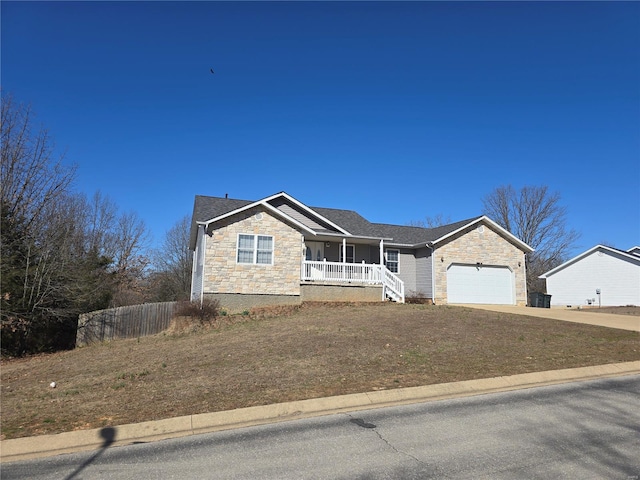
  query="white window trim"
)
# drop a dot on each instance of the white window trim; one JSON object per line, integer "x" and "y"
{"x": 255, "y": 248}
{"x": 386, "y": 262}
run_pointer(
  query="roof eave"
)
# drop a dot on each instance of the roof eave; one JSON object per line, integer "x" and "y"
{"x": 356, "y": 237}
{"x": 264, "y": 203}
{"x": 562, "y": 266}
{"x": 523, "y": 246}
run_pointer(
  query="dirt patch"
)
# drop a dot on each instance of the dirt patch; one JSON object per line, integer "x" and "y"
{"x": 270, "y": 356}
{"x": 628, "y": 310}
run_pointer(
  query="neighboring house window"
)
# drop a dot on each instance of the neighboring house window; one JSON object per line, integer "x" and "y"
{"x": 351, "y": 253}
{"x": 393, "y": 263}
{"x": 255, "y": 249}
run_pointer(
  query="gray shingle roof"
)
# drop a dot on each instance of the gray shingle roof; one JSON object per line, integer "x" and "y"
{"x": 408, "y": 235}
{"x": 351, "y": 221}
{"x": 206, "y": 208}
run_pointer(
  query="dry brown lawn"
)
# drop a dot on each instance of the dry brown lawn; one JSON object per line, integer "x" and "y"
{"x": 289, "y": 354}
{"x": 628, "y": 310}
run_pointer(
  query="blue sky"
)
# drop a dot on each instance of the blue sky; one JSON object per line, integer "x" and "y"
{"x": 396, "y": 110}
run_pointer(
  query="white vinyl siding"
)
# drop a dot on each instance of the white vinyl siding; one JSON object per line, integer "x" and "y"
{"x": 423, "y": 276}
{"x": 255, "y": 249}
{"x": 198, "y": 265}
{"x": 303, "y": 217}
{"x": 617, "y": 278}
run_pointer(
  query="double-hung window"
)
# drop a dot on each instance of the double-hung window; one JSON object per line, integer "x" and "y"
{"x": 393, "y": 260}
{"x": 255, "y": 249}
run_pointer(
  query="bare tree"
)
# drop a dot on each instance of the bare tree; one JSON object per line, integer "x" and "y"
{"x": 30, "y": 175}
{"x": 173, "y": 263}
{"x": 536, "y": 216}
{"x": 431, "y": 222}
{"x": 61, "y": 254}
{"x": 123, "y": 240}
{"x": 101, "y": 214}
{"x": 127, "y": 247}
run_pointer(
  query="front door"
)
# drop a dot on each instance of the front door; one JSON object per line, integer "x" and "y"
{"x": 351, "y": 254}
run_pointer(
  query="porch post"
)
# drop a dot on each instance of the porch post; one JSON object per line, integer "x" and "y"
{"x": 381, "y": 267}
{"x": 344, "y": 258}
{"x": 303, "y": 247}
{"x": 344, "y": 250}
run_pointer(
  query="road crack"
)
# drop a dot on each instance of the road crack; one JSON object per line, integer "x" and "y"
{"x": 363, "y": 424}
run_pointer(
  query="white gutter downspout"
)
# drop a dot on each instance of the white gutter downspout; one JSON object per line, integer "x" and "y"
{"x": 433, "y": 272}
{"x": 200, "y": 239}
{"x": 194, "y": 265}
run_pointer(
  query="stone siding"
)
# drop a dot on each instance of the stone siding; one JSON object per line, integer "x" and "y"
{"x": 311, "y": 292}
{"x": 487, "y": 247}
{"x": 222, "y": 274}
{"x": 238, "y": 303}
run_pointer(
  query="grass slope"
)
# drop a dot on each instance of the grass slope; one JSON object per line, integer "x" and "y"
{"x": 306, "y": 352}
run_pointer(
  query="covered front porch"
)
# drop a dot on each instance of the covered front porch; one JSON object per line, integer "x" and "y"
{"x": 350, "y": 261}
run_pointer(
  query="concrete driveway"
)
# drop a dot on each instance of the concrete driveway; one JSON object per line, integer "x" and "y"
{"x": 624, "y": 322}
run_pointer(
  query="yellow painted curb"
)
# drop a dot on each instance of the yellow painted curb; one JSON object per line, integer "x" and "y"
{"x": 49, "y": 445}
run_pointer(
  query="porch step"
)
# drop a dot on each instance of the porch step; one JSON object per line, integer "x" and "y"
{"x": 391, "y": 295}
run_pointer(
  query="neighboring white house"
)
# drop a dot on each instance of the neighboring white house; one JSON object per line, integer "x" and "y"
{"x": 601, "y": 276}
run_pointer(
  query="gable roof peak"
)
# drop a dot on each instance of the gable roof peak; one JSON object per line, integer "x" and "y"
{"x": 627, "y": 256}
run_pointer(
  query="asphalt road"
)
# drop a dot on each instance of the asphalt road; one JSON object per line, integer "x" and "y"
{"x": 586, "y": 430}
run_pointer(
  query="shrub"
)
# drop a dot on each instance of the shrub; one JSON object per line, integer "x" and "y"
{"x": 205, "y": 312}
{"x": 418, "y": 297}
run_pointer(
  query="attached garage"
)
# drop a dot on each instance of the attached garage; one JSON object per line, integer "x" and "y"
{"x": 480, "y": 284}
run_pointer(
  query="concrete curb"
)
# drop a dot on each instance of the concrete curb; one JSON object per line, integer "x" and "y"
{"x": 49, "y": 445}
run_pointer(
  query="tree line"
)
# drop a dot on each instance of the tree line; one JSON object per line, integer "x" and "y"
{"x": 64, "y": 253}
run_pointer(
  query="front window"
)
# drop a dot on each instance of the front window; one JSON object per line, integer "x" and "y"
{"x": 393, "y": 263}
{"x": 255, "y": 249}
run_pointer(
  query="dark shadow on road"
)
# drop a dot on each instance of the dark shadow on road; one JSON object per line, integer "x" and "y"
{"x": 109, "y": 436}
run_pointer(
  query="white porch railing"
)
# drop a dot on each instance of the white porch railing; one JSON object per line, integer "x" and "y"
{"x": 393, "y": 286}
{"x": 355, "y": 273}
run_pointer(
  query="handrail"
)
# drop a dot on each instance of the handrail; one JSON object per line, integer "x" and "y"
{"x": 341, "y": 272}
{"x": 393, "y": 283}
{"x": 372, "y": 274}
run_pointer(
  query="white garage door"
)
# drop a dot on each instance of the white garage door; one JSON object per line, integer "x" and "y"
{"x": 484, "y": 284}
